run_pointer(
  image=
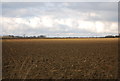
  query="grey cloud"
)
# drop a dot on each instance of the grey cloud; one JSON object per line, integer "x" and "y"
{"x": 105, "y": 11}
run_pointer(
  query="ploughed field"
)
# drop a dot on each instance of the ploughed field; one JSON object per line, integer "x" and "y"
{"x": 85, "y": 58}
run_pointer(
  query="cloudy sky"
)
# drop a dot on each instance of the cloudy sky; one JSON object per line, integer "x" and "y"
{"x": 60, "y": 18}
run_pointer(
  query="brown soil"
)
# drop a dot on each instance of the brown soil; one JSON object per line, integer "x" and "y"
{"x": 90, "y": 58}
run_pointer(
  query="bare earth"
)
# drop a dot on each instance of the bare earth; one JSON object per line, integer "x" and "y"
{"x": 85, "y": 58}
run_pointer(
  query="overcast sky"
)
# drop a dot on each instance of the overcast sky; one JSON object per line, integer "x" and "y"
{"x": 60, "y": 18}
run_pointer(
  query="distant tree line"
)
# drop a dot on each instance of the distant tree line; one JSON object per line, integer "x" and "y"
{"x": 12, "y": 36}
{"x": 43, "y": 36}
{"x": 111, "y": 36}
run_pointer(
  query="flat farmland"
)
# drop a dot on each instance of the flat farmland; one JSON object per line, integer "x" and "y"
{"x": 84, "y": 58}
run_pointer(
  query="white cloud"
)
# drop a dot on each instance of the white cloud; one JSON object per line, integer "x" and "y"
{"x": 65, "y": 18}
{"x": 33, "y": 22}
{"x": 47, "y": 21}
{"x": 100, "y": 27}
{"x": 86, "y": 25}
{"x": 52, "y": 24}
